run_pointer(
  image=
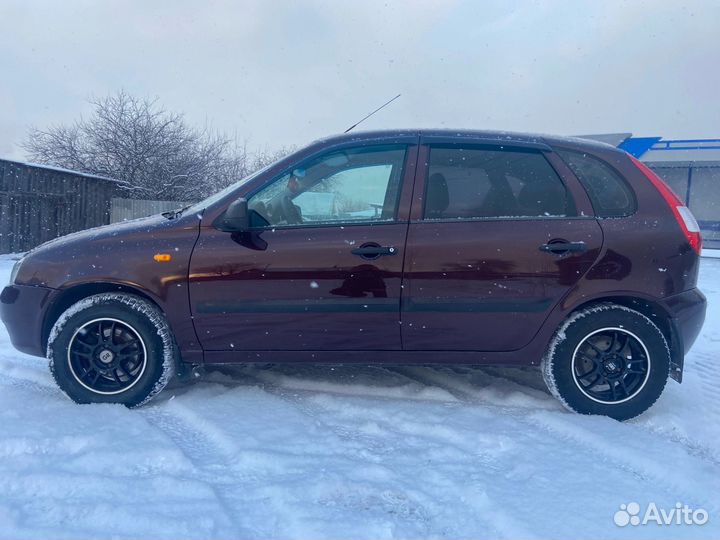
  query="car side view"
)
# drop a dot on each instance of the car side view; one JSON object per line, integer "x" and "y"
{"x": 424, "y": 247}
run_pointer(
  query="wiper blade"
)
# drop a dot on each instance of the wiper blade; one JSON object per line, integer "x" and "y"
{"x": 174, "y": 214}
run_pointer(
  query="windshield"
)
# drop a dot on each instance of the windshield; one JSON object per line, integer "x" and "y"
{"x": 199, "y": 207}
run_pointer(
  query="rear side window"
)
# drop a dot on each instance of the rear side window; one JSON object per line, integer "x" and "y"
{"x": 469, "y": 183}
{"x": 609, "y": 193}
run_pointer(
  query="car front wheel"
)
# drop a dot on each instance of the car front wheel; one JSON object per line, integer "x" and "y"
{"x": 112, "y": 348}
{"x": 609, "y": 360}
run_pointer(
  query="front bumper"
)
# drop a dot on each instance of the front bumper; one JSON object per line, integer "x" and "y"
{"x": 687, "y": 312}
{"x": 22, "y": 309}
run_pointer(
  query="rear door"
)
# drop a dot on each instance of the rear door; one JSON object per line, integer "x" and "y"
{"x": 497, "y": 237}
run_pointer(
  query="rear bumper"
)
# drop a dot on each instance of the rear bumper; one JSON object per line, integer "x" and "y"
{"x": 22, "y": 309}
{"x": 687, "y": 312}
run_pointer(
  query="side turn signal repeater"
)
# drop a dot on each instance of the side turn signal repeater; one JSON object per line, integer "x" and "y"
{"x": 162, "y": 257}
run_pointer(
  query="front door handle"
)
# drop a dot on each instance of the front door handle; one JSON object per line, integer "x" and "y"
{"x": 371, "y": 251}
{"x": 558, "y": 247}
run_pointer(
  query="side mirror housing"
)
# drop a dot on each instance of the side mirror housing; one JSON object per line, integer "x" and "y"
{"x": 236, "y": 217}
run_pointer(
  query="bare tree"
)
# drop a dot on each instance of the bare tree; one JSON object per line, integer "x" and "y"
{"x": 152, "y": 150}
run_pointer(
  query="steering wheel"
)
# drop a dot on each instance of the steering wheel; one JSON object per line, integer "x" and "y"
{"x": 290, "y": 211}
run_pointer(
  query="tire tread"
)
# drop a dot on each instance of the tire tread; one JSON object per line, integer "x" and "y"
{"x": 140, "y": 306}
{"x": 549, "y": 362}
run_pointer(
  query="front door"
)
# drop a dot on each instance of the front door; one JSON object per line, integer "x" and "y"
{"x": 321, "y": 268}
{"x": 494, "y": 243}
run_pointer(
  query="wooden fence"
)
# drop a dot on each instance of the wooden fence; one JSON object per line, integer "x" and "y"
{"x": 123, "y": 209}
{"x": 39, "y": 203}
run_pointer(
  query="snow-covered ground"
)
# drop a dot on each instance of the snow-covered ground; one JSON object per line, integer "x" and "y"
{"x": 355, "y": 452}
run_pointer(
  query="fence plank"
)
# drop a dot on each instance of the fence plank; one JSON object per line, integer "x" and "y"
{"x": 39, "y": 203}
{"x": 124, "y": 209}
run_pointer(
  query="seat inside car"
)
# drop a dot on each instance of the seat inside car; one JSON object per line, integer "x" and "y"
{"x": 437, "y": 198}
{"x": 538, "y": 198}
{"x": 499, "y": 201}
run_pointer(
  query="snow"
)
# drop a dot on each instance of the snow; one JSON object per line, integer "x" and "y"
{"x": 354, "y": 452}
{"x": 60, "y": 169}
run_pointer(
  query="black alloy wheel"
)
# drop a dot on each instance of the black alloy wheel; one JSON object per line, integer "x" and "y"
{"x": 107, "y": 356}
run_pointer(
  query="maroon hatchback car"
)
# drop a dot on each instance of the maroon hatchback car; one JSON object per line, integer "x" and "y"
{"x": 425, "y": 247}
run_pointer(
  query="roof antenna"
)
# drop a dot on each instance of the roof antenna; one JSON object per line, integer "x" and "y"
{"x": 369, "y": 115}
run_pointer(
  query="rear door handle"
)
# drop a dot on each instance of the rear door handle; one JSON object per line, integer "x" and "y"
{"x": 372, "y": 251}
{"x": 560, "y": 247}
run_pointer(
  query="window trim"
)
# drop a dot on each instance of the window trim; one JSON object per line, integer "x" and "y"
{"x": 539, "y": 149}
{"x": 502, "y": 218}
{"x": 491, "y": 141}
{"x": 310, "y": 159}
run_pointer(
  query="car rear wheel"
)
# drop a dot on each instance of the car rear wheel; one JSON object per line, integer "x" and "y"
{"x": 112, "y": 348}
{"x": 607, "y": 359}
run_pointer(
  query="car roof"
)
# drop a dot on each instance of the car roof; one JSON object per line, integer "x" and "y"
{"x": 493, "y": 135}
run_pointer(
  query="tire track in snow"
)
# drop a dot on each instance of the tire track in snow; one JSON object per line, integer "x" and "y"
{"x": 694, "y": 448}
{"x": 28, "y": 376}
{"x": 565, "y": 426}
{"x": 698, "y": 475}
{"x": 31, "y": 385}
{"x": 296, "y": 392}
{"x": 360, "y": 493}
{"x": 528, "y": 378}
{"x": 204, "y": 446}
{"x": 493, "y": 392}
{"x": 707, "y": 367}
{"x": 480, "y": 504}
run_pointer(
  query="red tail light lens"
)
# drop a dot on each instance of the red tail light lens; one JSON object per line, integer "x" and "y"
{"x": 682, "y": 213}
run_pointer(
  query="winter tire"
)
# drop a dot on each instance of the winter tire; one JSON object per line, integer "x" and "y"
{"x": 608, "y": 360}
{"x": 112, "y": 348}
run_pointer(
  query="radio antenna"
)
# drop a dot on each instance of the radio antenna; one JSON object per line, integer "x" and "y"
{"x": 369, "y": 115}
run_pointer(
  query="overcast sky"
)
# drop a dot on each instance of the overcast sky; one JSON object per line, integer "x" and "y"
{"x": 280, "y": 72}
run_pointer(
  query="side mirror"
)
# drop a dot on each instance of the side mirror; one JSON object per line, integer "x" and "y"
{"x": 236, "y": 218}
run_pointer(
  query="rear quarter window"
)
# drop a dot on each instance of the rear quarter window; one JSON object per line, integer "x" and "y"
{"x": 609, "y": 193}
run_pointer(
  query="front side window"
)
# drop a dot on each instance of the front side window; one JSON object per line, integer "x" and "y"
{"x": 355, "y": 185}
{"x": 469, "y": 183}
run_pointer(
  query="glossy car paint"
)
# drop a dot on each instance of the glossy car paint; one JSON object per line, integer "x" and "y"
{"x": 115, "y": 258}
{"x": 484, "y": 284}
{"x": 298, "y": 294}
{"x": 488, "y": 295}
{"x": 301, "y": 288}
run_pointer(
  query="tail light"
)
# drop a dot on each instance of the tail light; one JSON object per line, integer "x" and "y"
{"x": 682, "y": 213}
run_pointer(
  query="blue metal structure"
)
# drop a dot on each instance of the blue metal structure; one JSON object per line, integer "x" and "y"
{"x": 679, "y": 144}
{"x": 637, "y": 146}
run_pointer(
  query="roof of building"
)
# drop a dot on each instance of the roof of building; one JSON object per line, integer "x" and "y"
{"x": 61, "y": 170}
{"x": 683, "y": 150}
{"x": 673, "y": 152}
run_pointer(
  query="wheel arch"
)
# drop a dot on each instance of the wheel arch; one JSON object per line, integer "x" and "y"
{"x": 74, "y": 294}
